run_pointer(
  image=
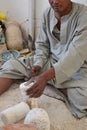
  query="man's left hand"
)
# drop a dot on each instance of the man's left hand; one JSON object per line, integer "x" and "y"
{"x": 38, "y": 87}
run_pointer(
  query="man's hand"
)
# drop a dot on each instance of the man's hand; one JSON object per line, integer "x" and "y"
{"x": 40, "y": 82}
{"x": 39, "y": 85}
{"x": 35, "y": 70}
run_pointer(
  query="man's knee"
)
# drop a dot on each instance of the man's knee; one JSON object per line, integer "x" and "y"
{"x": 5, "y": 83}
{"x": 77, "y": 97}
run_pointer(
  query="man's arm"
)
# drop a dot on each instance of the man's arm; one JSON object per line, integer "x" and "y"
{"x": 42, "y": 46}
{"x": 74, "y": 58}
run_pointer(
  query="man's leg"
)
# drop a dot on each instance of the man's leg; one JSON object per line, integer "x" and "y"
{"x": 5, "y": 83}
{"x": 77, "y": 98}
{"x": 12, "y": 69}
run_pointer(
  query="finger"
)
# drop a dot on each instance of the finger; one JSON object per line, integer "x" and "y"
{"x": 26, "y": 79}
{"x": 29, "y": 81}
{"x": 34, "y": 74}
{"x": 32, "y": 89}
{"x": 37, "y": 93}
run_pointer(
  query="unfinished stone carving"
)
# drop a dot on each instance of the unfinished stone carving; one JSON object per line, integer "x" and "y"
{"x": 39, "y": 117}
{"x": 15, "y": 113}
{"x": 14, "y": 38}
{"x": 32, "y": 102}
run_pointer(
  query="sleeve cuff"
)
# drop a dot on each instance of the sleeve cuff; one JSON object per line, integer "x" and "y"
{"x": 60, "y": 76}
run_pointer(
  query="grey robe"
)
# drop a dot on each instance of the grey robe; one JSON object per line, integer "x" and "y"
{"x": 65, "y": 50}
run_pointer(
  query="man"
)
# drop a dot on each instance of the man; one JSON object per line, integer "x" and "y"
{"x": 60, "y": 58}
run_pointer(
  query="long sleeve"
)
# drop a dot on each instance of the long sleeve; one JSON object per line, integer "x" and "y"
{"x": 75, "y": 56}
{"x": 42, "y": 46}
